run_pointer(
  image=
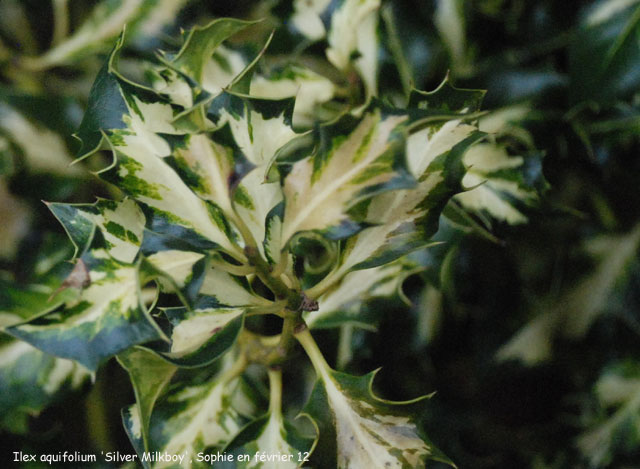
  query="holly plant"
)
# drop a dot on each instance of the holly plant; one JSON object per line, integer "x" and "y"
{"x": 257, "y": 203}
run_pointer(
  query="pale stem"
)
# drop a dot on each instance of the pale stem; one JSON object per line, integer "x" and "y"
{"x": 312, "y": 350}
{"x": 60, "y": 21}
{"x": 344, "y": 346}
{"x": 275, "y": 391}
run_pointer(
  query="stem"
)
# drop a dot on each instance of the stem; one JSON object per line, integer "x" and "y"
{"x": 238, "y": 270}
{"x": 323, "y": 285}
{"x": 289, "y": 325}
{"x": 276, "y": 285}
{"x": 234, "y": 370}
{"x": 280, "y": 267}
{"x": 344, "y": 346}
{"x": 275, "y": 391}
{"x": 60, "y": 21}
{"x": 313, "y": 352}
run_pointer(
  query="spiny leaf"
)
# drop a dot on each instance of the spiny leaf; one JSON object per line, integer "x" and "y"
{"x": 497, "y": 182}
{"x": 346, "y": 168}
{"x": 131, "y": 124}
{"x": 342, "y": 305}
{"x": 189, "y": 418}
{"x": 260, "y": 127}
{"x": 202, "y": 335}
{"x": 121, "y": 224}
{"x": 309, "y": 88}
{"x": 404, "y": 220}
{"x": 106, "y": 318}
{"x": 149, "y": 375}
{"x": 370, "y": 431}
{"x": 201, "y": 42}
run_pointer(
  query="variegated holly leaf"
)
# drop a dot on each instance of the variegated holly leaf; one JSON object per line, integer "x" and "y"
{"x": 207, "y": 167}
{"x": 350, "y": 164}
{"x": 149, "y": 375}
{"x": 404, "y": 220}
{"x": 498, "y": 184}
{"x": 370, "y": 432}
{"x": 615, "y": 429}
{"x": 308, "y": 87}
{"x": 109, "y": 17}
{"x": 257, "y": 203}
{"x": 180, "y": 272}
{"x": 353, "y": 40}
{"x": 190, "y": 417}
{"x": 343, "y": 304}
{"x": 108, "y": 314}
{"x": 199, "y": 46}
{"x": 121, "y": 224}
{"x": 575, "y": 310}
{"x": 270, "y": 441}
{"x": 259, "y": 127}
{"x": 31, "y": 380}
{"x": 42, "y": 149}
{"x": 203, "y": 334}
{"x": 138, "y": 127}
{"x": 350, "y": 28}
{"x": 221, "y": 289}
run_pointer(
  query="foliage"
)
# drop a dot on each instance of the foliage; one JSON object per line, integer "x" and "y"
{"x": 273, "y": 187}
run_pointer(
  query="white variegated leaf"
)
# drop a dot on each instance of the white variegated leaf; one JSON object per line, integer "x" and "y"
{"x": 352, "y": 36}
{"x": 132, "y": 124}
{"x": 306, "y": 18}
{"x": 121, "y": 224}
{"x": 370, "y": 431}
{"x": 221, "y": 69}
{"x": 574, "y": 311}
{"x": 43, "y": 150}
{"x": 104, "y": 318}
{"x": 495, "y": 181}
{"x": 192, "y": 417}
{"x": 227, "y": 290}
{"x": 320, "y": 190}
{"x": 254, "y": 199}
{"x": 150, "y": 374}
{"x": 199, "y": 326}
{"x": 260, "y": 127}
{"x": 176, "y": 265}
{"x": 275, "y": 442}
{"x": 402, "y": 218}
{"x": 342, "y": 304}
{"x": 354, "y": 33}
{"x": 309, "y": 88}
{"x": 210, "y": 167}
{"x": 105, "y": 23}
